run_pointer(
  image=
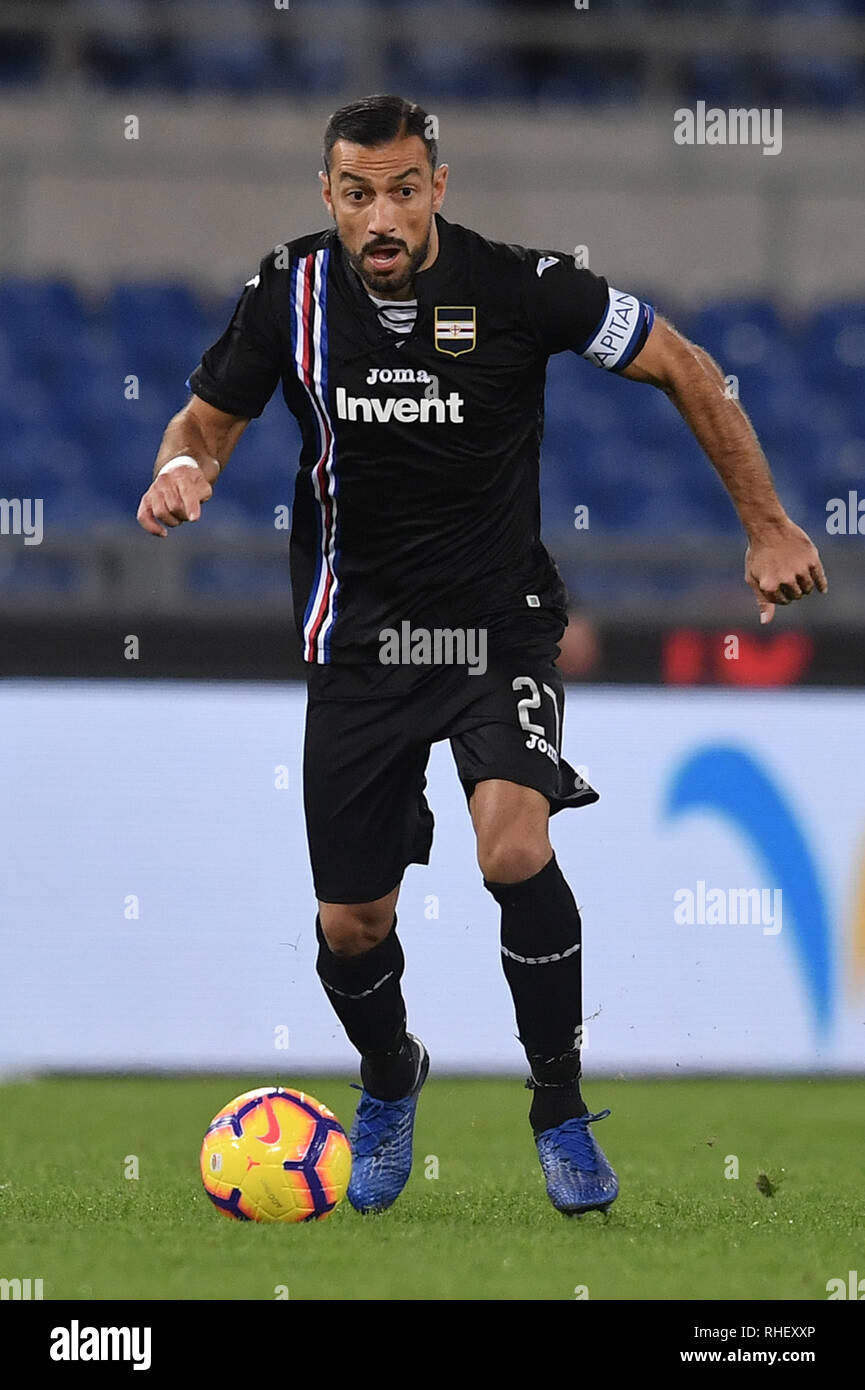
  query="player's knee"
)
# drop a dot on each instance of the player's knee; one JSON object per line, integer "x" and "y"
{"x": 350, "y": 929}
{"x": 512, "y": 858}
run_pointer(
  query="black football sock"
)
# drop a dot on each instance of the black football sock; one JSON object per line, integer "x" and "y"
{"x": 541, "y": 949}
{"x": 365, "y": 993}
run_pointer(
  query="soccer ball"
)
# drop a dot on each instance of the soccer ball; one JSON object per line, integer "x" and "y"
{"x": 275, "y": 1155}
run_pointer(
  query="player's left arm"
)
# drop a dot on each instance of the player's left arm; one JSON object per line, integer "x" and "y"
{"x": 781, "y": 562}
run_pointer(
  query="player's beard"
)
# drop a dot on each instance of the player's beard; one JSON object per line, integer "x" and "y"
{"x": 388, "y": 286}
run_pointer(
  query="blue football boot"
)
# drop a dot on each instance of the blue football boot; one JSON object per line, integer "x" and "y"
{"x": 381, "y": 1142}
{"x": 579, "y": 1178}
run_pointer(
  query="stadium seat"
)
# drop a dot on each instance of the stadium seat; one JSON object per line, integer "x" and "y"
{"x": 22, "y": 59}
{"x": 811, "y": 9}
{"x": 441, "y": 70}
{"x": 238, "y": 579}
{"x": 26, "y": 404}
{"x": 797, "y": 411}
{"x": 143, "y": 55}
{"x": 30, "y": 571}
{"x": 750, "y": 327}
{"x": 832, "y": 345}
{"x": 47, "y": 466}
{"x": 839, "y": 465}
{"x": 676, "y": 514}
{"x": 590, "y": 79}
{"x": 155, "y": 306}
{"x": 39, "y": 317}
{"x": 121, "y": 453}
{"x": 307, "y": 67}
{"x": 748, "y": 341}
{"x": 239, "y": 64}
{"x": 159, "y": 327}
{"x": 808, "y": 80}
{"x": 138, "y": 61}
{"x": 716, "y": 79}
{"x": 261, "y": 474}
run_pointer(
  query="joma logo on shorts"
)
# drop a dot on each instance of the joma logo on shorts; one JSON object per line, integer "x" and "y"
{"x": 543, "y": 746}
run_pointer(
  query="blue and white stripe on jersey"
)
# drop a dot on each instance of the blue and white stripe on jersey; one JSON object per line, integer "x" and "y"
{"x": 615, "y": 340}
{"x": 309, "y": 346}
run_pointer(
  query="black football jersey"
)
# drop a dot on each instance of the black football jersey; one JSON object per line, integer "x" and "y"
{"x": 416, "y": 499}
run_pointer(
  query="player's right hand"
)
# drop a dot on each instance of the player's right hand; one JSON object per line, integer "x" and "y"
{"x": 173, "y": 497}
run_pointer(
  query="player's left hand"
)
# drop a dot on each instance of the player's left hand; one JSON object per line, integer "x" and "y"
{"x": 782, "y": 564}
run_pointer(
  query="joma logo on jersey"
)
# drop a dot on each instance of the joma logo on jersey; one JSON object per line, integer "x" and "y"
{"x": 402, "y": 410}
{"x": 455, "y": 329}
{"x": 384, "y": 375}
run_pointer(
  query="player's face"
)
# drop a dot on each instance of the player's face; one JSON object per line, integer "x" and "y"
{"x": 383, "y": 200}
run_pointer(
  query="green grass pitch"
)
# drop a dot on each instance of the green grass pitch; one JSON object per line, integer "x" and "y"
{"x": 483, "y": 1229}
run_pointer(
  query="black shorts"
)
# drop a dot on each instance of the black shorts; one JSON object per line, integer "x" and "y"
{"x": 368, "y": 736}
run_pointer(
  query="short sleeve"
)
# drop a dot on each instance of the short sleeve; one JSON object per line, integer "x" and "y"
{"x": 571, "y": 308}
{"x": 241, "y": 371}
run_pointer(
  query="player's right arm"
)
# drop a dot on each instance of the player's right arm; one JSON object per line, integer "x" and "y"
{"x": 203, "y": 434}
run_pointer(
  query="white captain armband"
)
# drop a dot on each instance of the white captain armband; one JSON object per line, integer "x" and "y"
{"x": 621, "y": 333}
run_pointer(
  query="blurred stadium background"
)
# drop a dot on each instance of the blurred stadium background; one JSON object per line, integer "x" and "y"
{"x": 150, "y": 153}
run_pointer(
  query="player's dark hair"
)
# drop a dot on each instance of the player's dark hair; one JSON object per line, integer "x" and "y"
{"x": 377, "y": 120}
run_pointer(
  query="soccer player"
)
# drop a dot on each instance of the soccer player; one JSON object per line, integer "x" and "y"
{"x": 413, "y": 352}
